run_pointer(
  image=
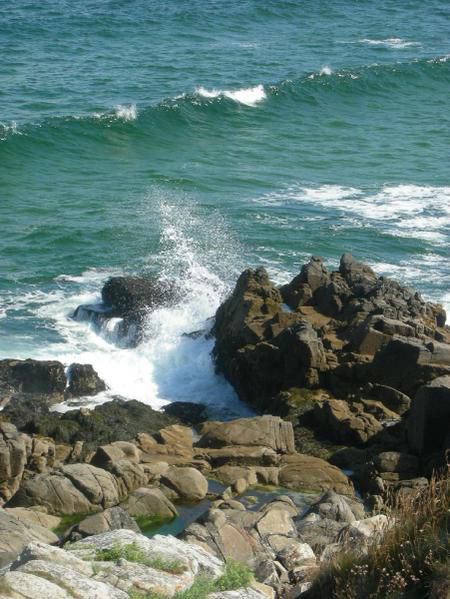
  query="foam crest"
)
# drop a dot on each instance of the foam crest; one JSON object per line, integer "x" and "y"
{"x": 325, "y": 71}
{"x": 8, "y": 129}
{"x": 126, "y": 113}
{"x": 390, "y": 42}
{"x": 250, "y": 96}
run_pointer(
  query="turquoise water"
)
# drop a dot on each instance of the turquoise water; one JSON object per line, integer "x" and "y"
{"x": 194, "y": 138}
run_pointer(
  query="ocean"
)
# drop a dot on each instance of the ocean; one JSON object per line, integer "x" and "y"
{"x": 194, "y": 138}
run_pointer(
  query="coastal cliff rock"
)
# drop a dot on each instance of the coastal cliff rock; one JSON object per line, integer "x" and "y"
{"x": 340, "y": 354}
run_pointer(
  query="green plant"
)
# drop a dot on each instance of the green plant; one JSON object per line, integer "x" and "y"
{"x": 235, "y": 576}
{"x": 133, "y": 553}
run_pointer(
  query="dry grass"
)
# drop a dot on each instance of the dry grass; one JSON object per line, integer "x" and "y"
{"x": 411, "y": 561}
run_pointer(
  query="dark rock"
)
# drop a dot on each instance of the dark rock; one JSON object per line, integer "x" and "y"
{"x": 429, "y": 418}
{"x": 83, "y": 380}
{"x": 346, "y": 423}
{"x": 33, "y": 376}
{"x": 406, "y": 364}
{"x": 394, "y": 461}
{"x": 129, "y": 296}
{"x": 116, "y": 420}
{"x": 186, "y": 412}
{"x": 392, "y": 398}
{"x": 338, "y": 331}
{"x": 130, "y": 299}
{"x": 301, "y": 289}
{"x": 360, "y": 277}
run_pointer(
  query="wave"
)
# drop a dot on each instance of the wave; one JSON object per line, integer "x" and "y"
{"x": 312, "y": 86}
{"x": 390, "y": 42}
{"x": 250, "y": 96}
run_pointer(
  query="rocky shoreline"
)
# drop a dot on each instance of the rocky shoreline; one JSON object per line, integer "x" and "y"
{"x": 350, "y": 374}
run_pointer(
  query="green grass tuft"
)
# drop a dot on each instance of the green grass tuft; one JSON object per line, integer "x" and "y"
{"x": 235, "y": 576}
{"x": 133, "y": 553}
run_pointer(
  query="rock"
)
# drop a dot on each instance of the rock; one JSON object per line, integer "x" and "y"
{"x": 239, "y": 455}
{"x": 265, "y": 347}
{"x": 240, "y": 486}
{"x": 98, "y": 485}
{"x": 301, "y": 289}
{"x": 117, "y": 420}
{"x": 346, "y": 423}
{"x": 367, "y": 530}
{"x": 130, "y": 296}
{"x": 188, "y": 484}
{"x": 130, "y": 299}
{"x": 34, "y": 517}
{"x": 265, "y": 431}
{"x": 406, "y": 364}
{"x": 83, "y": 380}
{"x": 338, "y": 507}
{"x": 188, "y": 413}
{"x": 113, "y": 518}
{"x": 30, "y": 586}
{"x": 318, "y": 532}
{"x": 152, "y": 581}
{"x": 43, "y": 552}
{"x": 73, "y": 582}
{"x": 282, "y": 502}
{"x": 360, "y": 277}
{"x": 429, "y": 417}
{"x": 14, "y": 448}
{"x": 148, "y": 503}
{"x": 178, "y": 440}
{"x": 16, "y": 534}
{"x": 248, "y": 593}
{"x": 304, "y": 472}
{"x": 394, "y": 461}
{"x": 276, "y": 521}
{"x": 166, "y": 547}
{"x": 228, "y": 475}
{"x": 296, "y": 556}
{"x": 55, "y": 492}
{"x": 34, "y": 376}
{"x": 240, "y": 319}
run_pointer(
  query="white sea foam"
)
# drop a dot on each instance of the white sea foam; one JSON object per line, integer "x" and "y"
{"x": 250, "y": 96}
{"x": 390, "y": 42}
{"x": 7, "y": 129}
{"x": 325, "y": 71}
{"x": 168, "y": 365}
{"x": 126, "y": 113}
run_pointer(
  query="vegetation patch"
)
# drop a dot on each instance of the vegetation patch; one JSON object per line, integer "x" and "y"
{"x": 67, "y": 522}
{"x": 235, "y": 576}
{"x": 149, "y": 523}
{"x": 133, "y": 553}
{"x": 411, "y": 562}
